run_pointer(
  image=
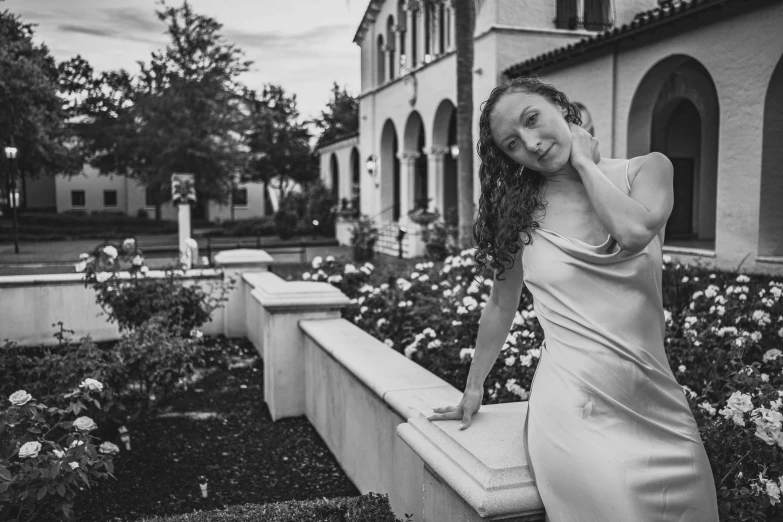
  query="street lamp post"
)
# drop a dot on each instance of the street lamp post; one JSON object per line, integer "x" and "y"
{"x": 13, "y": 195}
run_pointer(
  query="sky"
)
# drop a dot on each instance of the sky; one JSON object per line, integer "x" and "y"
{"x": 302, "y": 45}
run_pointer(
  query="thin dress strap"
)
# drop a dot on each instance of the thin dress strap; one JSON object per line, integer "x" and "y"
{"x": 626, "y": 176}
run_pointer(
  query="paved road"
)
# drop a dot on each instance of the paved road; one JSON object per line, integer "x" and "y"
{"x": 56, "y": 257}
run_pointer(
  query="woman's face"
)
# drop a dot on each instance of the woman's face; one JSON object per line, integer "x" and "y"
{"x": 532, "y": 131}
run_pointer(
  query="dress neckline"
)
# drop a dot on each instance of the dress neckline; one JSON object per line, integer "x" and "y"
{"x": 574, "y": 240}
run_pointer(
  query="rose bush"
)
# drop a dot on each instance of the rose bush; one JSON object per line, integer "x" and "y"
{"x": 118, "y": 274}
{"x": 47, "y": 456}
{"x": 724, "y": 334}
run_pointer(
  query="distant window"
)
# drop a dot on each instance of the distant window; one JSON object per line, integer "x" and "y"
{"x": 239, "y": 197}
{"x": 78, "y": 198}
{"x": 149, "y": 197}
{"x": 110, "y": 198}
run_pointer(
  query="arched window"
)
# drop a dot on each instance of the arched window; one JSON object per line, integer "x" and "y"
{"x": 381, "y": 55}
{"x": 334, "y": 171}
{"x": 390, "y": 44}
{"x": 429, "y": 23}
{"x": 414, "y": 37}
{"x": 443, "y": 29}
{"x": 401, "y": 22}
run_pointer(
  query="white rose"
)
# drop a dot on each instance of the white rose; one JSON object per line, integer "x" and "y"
{"x": 350, "y": 269}
{"x": 80, "y": 267}
{"x": 76, "y": 443}
{"x": 91, "y": 384}
{"x": 191, "y": 243}
{"x": 84, "y": 257}
{"x": 20, "y": 398}
{"x": 110, "y": 251}
{"x": 389, "y": 343}
{"x": 102, "y": 276}
{"x": 29, "y": 450}
{"x": 317, "y": 260}
{"x": 73, "y": 465}
{"x": 59, "y": 454}
{"x": 84, "y": 423}
{"x": 138, "y": 261}
{"x": 681, "y": 368}
{"x": 771, "y": 355}
{"x": 144, "y": 270}
{"x": 109, "y": 448}
{"x": 667, "y": 258}
{"x": 329, "y": 259}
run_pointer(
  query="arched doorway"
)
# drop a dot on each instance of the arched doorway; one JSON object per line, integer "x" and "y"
{"x": 415, "y": 143}
{"x": 389, "y": 173}
{"x": 355, "y": 182}
{"x": 677, "y": 134}
{"x": 334, "y": 174}
{"x": 444, "y": 141}
{"x": 770, "y": 209}
{"x": 675, "y": 111}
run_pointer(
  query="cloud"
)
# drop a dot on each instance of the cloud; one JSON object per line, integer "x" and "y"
{"x": 313, "y": 37}
{"x": 134, "y": 18}
{"x": 92, "y": 31}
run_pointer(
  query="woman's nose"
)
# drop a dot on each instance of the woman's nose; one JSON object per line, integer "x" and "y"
{"x": 532, "y": 143}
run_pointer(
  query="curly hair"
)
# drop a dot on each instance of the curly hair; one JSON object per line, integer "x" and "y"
{"x": 510, "y": 193}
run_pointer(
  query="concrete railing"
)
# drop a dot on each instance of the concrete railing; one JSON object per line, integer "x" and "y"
{"x": 31, "y": 304}
{"x": 369, "y": 404}
{"x": 367, "y": 401}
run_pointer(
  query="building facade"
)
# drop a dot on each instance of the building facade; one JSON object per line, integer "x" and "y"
{"x": 691, "y": 79}
{"x": 90, "y": 193}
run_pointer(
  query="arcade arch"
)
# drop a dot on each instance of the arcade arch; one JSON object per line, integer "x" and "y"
{"x": 675, "y": 111}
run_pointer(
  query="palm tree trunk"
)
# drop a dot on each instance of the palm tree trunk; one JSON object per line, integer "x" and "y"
{"x": 465, "y": 22}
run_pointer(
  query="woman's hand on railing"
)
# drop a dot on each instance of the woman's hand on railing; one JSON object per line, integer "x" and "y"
{"x": 470, "y": 404}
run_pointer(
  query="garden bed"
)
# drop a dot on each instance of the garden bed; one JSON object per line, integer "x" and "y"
{"x": 219, "y": 428}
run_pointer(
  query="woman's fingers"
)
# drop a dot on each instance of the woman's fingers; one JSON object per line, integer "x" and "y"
{"x": 444, "y": 409}
{"x": 452, "y": 415}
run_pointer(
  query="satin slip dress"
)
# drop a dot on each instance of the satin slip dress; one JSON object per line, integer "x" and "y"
{"x": 609, "y": 435}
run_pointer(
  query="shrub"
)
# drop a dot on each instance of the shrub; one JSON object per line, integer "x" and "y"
{"x": 47, "y": 372}
{"x": 47, "y": 453}
{"x": 157, "y": 356}
{"x": 440, "y": 240}
{"x": 369, "y": 507}
{"x": 364, "y": 235}
{"x": 286, "y": 217}
{"x": 132, "y": 299}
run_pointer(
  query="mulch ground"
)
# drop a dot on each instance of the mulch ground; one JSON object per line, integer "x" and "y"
{"x": 219, "y": 428}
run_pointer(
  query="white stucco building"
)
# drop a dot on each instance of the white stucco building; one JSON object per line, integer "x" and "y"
{"x": 700, "y": 81}
{"x": 90, "y": 192}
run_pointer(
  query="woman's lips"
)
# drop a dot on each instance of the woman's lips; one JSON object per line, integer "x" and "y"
{"x": 547, "y": 152}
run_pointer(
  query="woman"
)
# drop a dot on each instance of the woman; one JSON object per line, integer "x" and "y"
{"x": 609, "y": 434}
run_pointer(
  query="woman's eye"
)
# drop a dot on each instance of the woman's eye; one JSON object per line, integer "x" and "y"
{"x": 512, "y": 144}
{"x": 531, "y": 119}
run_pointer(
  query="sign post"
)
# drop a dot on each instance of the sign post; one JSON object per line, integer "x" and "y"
{"x": 183, "y": 194}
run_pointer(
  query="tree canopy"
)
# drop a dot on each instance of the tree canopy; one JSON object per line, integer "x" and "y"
{"x": 32, "y": 112}
{"x": 340, "y": 118}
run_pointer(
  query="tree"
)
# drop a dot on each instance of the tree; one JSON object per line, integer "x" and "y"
{"x": 182, "y": 113}
{"x": 279, "y": 144}
{"x": 465, "y": 24}
{"x": 32, "y": 112}
{"x": 340, "y": 118}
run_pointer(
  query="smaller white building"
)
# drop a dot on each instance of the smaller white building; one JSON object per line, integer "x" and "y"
{"x": 90, "y": 193}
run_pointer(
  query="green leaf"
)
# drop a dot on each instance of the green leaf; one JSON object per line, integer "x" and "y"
{"x": 4, "y": 487}
{"x": 41, "y": 493}
{"x": 56, "y": 469}
{"x": 61, "y": 490}
{"x": 5, "y": 474}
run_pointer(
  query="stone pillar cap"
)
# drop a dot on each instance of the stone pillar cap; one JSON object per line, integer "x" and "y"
{"x": 242, "y": 257}
{"x": 277, "y": 294}
{"x": 485, "y": 464}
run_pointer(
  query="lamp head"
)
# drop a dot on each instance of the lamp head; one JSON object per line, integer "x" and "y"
{"x": 10, "y": 152}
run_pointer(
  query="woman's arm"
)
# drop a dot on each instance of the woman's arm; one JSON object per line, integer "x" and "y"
{"x": 635, "y": 219}
{"x": 496, "y": 319}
